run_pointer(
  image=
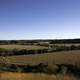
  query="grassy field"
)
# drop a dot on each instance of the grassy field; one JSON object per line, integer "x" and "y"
{"x": 32, "y": 76}
{"x": 63, "y": 57}
{"x": 66, "y": 44}
{"x": 28, "y": 47}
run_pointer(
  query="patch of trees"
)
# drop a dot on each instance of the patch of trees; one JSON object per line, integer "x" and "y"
{"x": 65, "y": 41}
{"x": 63, "y": 48}
{"x": 6, "y": 52}
{"x": 43, "y": 68}
{"x": 23, "y": 42}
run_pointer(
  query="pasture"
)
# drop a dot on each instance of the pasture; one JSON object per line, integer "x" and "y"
{"x": 71, "y": 57}
{"x": 63, "y": 57}
{"x": 65, "y": 44}
{"x": 28, "y": 47}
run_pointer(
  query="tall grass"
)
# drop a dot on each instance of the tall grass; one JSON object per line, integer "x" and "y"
{"x": 32, "y": 76}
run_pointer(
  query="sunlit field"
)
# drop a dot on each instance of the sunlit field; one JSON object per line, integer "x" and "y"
{"x": 28, "y": 47}
{"x": 34, "y": 76}
{"x": 64, "y": 57}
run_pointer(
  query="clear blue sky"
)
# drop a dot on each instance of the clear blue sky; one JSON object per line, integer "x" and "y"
{"x": 39, "y": 19}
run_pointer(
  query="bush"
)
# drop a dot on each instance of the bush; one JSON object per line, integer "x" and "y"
{"x": 52, "y": 68}
{"x": 2, "y": 52}
{"x": 73, "y": 47}
{"x": 18, "y": 69}
{"x": 23, "y": 51}
{"x": 64, "y": 69}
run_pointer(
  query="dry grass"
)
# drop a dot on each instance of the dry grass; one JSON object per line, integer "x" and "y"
{"x": 32, "y": 76}
{"x": 64, "y": 57}
{"x": 28, "y": 47}
{"x": 76, "y": 44}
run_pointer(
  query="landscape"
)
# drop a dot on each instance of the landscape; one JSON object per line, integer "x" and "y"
{"x": 40, "y": 59}
{"x": 39, "y": 39}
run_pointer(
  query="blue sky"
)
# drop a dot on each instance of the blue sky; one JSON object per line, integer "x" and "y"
{"x": 39, "y": 19}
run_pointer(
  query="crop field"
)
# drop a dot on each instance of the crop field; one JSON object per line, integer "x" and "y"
{"x": 63, "y": 57}
{"x": 28, "y": 47}
{"x": 34, "y": 76}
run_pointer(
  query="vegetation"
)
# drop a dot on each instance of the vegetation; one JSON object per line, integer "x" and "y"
{"x": 42, "y": 68}
{"x": 64, "y": 57}
{"x": 52, "y": 68}
{"x": 19, "y": 47}
{"x": 31, "y": 42}
{"x": 10, "y": 50}
{"x": 34, "y": 76}
{"x": 67, "y": 62}
{"x": 51, "y": 59}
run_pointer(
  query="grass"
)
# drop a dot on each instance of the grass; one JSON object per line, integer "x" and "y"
{"x": 28, "y": 47}
{"x": 34, "y": 76}
{"x": 64, "y": 57}
{"x": 75, "y": 44}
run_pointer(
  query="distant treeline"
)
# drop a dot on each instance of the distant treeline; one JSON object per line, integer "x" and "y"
{"x": 60, "y": 41}
{"x": 63, "y": 41}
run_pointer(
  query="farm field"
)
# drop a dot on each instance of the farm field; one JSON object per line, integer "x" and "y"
{"x": 63, "y": 57}
{"x": 75, "y": 44}
{"x": 28, "y": 47}
{"x": 34, "y": 76}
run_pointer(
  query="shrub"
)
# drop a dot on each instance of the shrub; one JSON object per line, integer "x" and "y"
{"x": 64, "y": 69}
{"x": 52, "y": 68}
{"x": 73, "y": 47}
{"x": 18, "y": 69}
{"x": 23, "y": 51}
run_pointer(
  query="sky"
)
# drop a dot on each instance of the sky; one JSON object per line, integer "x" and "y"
{"x": 39, "y": 19}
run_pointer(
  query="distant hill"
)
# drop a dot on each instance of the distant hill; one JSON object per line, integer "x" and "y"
{"x": 54, "y": 41}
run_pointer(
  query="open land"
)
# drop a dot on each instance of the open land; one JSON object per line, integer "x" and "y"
{"x": 36, "y": 76}
{"x": 63, "y": 57}
{"x": 28, "y": 47}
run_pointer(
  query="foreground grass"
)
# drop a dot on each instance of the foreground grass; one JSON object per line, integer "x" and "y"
{"x": 33, "y": 76}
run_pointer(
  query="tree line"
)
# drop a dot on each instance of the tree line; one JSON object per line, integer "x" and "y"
{"x": 42, "y": 68}
{"x": 6, "y": 52}
{"x": 25, "y": 42}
